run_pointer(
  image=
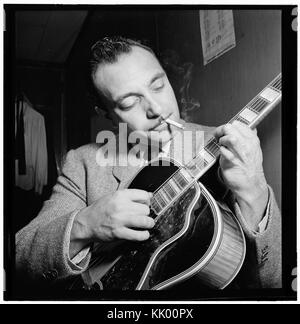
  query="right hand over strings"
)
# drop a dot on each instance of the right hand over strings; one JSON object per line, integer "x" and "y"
{"x": 121, "y": 215}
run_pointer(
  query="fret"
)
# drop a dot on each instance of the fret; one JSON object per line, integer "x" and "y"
{"x": 278, "y": 89}
{"x": 276, "y": 84}
{"x": 170, "y": 190}
{"x": 242, "y": 120}
{"x": 257, "y": 105}
{"x": 160, "y": 199}
{"x": 155, "y": 205}
{"x": 179, "y": 183}
{"x": 180, "y": 180}
{"x": 254, "y": 106}
{"x": 165, "y": 194}
{"x": 248, "y": 114}
{"x": 174, "y": 186}
{"x": 269, "y": 94}
{"x": 186, "y": 175}
{"x": 193, "y": 168}
{"x": 201, "y": 162}
{"x": 208, "y": 157}
{"x": 212, "y": 147}
{"x": 205, "y": 157}
{"x": 167, "y": 190}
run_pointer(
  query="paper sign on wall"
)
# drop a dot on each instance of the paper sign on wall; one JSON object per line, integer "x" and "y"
{"x": 217, "y": 33}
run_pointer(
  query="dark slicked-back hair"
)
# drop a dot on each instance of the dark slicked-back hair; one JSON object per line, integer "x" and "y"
{"x": 108, "y": 50}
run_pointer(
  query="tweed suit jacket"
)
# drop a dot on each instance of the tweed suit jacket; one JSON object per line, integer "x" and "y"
{"x": 42, "y": 247}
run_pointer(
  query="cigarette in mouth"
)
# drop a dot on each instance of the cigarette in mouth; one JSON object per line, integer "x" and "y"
{"x": 174, "y": 123}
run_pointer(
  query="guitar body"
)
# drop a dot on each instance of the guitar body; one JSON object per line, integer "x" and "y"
{"x": 191, "y": 239}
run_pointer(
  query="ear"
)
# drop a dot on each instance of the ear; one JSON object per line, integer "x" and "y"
{"x": 114, "y": 118}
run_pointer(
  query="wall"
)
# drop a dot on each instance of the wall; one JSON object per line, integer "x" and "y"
{"x": 228, "y": 83}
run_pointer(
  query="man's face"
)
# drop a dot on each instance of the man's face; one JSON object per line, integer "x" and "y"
{"x": 138, "y": 91}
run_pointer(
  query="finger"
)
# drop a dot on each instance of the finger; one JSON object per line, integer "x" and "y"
{"x": 249, "y": 135}
{"x": 233, "y": 143}
{"x": 244, "y": 130}
{"x": 237, "y": 129}
{"x": 139, "y": 209}
{"x": 227, "y": 154}
{"x": 227, "y": 129}
{"x": 138, "y": 221}
{"x": 139, "y": 195}
{"x": 219, "y": 131}
{"x": 131, "y": 235}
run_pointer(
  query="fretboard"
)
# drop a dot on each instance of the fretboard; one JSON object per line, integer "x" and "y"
{"x": 252, "y": 114}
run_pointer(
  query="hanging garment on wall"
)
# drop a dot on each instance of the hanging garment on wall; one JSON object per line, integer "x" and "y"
{"x": 20, "y": 140}
{"x": 36, "y": 157}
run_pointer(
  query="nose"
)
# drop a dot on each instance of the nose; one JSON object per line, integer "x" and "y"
{"x": 153, "y": 108}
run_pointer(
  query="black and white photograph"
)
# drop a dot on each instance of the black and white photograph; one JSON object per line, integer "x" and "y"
{"x": 150, "y": 153}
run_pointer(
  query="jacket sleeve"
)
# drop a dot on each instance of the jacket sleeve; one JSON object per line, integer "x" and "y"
{"x": 42, "y": 247}
{"x": 262, "y": 267}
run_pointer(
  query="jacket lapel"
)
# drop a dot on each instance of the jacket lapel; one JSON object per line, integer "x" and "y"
{"x": 124, "y": 173}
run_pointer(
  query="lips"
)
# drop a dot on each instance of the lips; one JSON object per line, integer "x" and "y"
{"x": 160, "y": 127}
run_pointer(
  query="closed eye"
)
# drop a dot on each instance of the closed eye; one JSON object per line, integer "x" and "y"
{"x": 158, "y": 84}
{"x": 128, "y": 102}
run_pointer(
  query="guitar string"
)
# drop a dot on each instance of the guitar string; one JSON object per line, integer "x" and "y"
{"x": 258, "y": 106}
{"x": 162, "y": 193}
{"x": 211, "y": 141}
{"x": 162, "y": 198}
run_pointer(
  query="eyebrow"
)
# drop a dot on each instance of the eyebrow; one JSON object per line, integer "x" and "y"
{"x": 156, "y": 77}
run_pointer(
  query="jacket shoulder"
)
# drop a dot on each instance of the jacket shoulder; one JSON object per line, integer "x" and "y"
{"x": 83, "y": 155}
{"x": 87, "y": 149}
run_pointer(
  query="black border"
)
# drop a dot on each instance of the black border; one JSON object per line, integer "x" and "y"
{"x": 289, "y": 152}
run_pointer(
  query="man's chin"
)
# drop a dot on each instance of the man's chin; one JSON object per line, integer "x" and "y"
{"x": 159, "y": 137}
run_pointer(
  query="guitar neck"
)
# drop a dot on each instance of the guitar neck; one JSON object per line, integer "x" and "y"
{"x": 261, "y": 105}
{"x": 251, "y": 115}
